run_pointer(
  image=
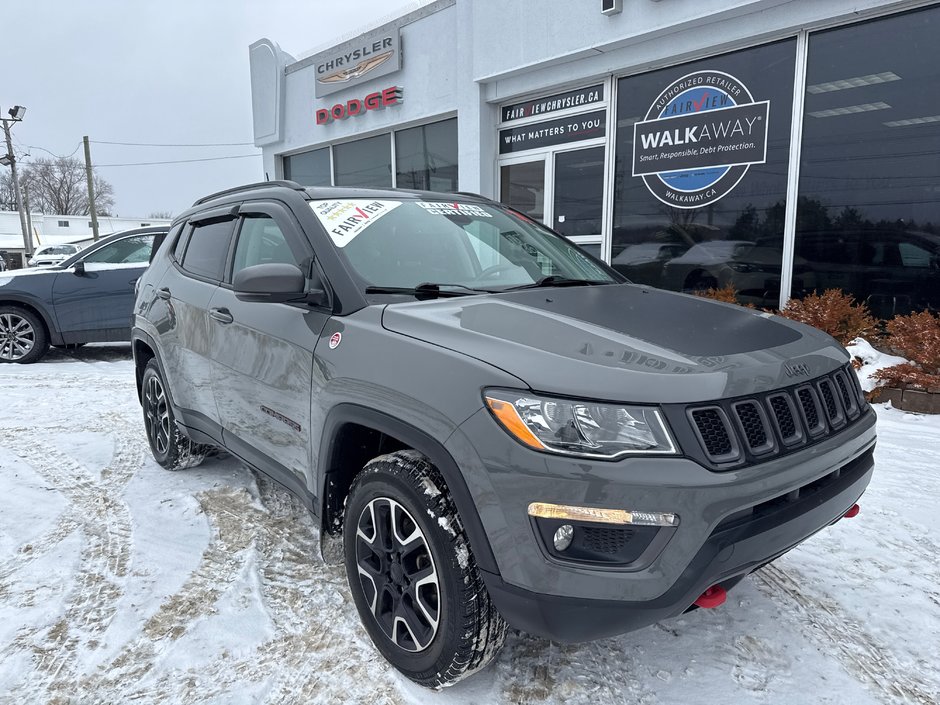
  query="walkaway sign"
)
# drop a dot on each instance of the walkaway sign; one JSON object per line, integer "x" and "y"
{"x": 552, "y": 132}
{"x": 699, "y": 138}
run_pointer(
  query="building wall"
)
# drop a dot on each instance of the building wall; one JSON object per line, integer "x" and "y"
{"x": 48, "y": 231}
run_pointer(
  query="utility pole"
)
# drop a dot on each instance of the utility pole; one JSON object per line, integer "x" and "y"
{"x": 16, "y": 114}
{"x": 91, "y": 190}
{"x": 29, "y": 216}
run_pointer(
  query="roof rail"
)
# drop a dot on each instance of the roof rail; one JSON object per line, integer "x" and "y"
{"x": 250, "y": 187}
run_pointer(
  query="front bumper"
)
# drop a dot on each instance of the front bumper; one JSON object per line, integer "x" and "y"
{"x": 731, "y": 523}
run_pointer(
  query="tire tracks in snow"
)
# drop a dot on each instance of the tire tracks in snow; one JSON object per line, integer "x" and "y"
{"x": 857, "y": 650}
{"x": 227, "y": 509}
{"x": 103, "y": 520}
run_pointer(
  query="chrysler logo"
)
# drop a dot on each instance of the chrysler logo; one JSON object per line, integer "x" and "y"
{"x": 360, "y": 69}
{"x": 800, "y": 370}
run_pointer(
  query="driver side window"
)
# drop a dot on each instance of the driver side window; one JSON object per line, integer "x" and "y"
{"x": 261, "y": 241}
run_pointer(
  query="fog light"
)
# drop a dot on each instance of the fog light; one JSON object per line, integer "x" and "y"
{"x": 563, "y": 537}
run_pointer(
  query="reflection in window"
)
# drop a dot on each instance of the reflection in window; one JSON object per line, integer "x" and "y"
{"x": 366, "y": 163}
{"x": 128, "y": 250}
{"x": 868, "y": 218}
{"x": 309, "y": 168}
{"x": 737, "y": 240}
{"x": 426, "y": 157}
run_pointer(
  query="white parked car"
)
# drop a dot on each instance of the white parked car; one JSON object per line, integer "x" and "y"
{"x": 52, "y": 254}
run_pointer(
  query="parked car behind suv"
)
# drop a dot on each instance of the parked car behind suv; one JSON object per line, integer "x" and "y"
{"x": 498, "y": 425}
{"x": 87, "y": 298}
{"x": 52, "y": 254}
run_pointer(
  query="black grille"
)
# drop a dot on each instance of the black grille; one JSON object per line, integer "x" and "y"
{"x": 810, "y": 410}
{"x": 606, "y": 540}
{"x": 713, "y": 432}
{"x": 832, "y": 411}
{"x": 849, "y": 400}
{"x": 777, "y": 422}
{"x": 753, "y": 426}
{"x": 787, "y": 425}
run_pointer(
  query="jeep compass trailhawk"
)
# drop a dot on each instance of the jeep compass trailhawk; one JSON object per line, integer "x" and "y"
{"x": 500, "y": 428}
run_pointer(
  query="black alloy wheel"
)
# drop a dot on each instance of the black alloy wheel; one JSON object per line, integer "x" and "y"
{"x": 397, "y": 574}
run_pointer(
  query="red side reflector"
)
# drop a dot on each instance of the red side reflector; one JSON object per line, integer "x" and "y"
{"x": 853, "y": 512}
{"x": 714, "y": 596}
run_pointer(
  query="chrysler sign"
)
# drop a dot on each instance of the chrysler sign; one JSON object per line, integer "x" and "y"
{"x": 360, "y": 60}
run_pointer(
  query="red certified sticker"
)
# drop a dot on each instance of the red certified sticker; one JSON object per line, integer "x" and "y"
{"x": 335, "y": 340}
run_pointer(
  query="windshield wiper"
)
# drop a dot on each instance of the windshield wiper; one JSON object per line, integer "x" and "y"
{"x": 556, "y": 280}
{"x": 429, "y": 290}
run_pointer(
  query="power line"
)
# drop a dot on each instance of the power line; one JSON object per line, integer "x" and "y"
{"x": 180, "y": 161}
{"x": 161, "y": 144}
{"x": 43, "y": 149}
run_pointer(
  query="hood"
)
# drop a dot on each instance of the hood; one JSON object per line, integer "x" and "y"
{"x": 622, "y": 342}
{"x": 11, "y": 274}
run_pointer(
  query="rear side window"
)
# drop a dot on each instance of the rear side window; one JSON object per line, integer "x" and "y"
{"x": 208, "y": 249}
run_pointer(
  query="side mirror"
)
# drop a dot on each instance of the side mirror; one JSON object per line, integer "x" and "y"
{"x": 275, "y": 283}
{"x": 79, "y": 268}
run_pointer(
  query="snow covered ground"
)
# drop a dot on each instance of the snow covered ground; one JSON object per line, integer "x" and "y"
{"x": 121, "y": 582}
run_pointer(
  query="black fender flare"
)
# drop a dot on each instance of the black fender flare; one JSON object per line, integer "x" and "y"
{"x": 420, "y": 441}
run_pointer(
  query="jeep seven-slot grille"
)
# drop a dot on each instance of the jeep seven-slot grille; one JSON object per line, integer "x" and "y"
{"x": 770, "y": 424}
{"x": 713, "y": 432}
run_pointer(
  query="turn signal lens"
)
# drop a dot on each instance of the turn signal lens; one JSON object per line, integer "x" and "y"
{"x": 544, "y": 510}
{"x": 512, "y": 422}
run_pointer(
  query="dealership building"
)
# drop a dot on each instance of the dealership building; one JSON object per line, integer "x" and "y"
{"x": 779, "y": 146}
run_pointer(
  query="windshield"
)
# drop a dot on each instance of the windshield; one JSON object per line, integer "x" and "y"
{"x": 402, "y": 244}
{"x": 57, "y": 250}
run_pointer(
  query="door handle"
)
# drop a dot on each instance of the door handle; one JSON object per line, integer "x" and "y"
{"x": 163, "y": 293}
{"x": 221, "y": 315}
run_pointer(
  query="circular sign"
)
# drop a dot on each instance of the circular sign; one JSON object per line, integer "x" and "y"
{"x": 699, "y": 138}
{"x": 335, "y": 340}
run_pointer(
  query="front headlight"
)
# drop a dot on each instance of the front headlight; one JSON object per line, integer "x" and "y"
{"x": 581, "y": 428}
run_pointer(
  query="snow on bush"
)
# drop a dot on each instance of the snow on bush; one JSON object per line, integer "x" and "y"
{"x": 917, "y": 338}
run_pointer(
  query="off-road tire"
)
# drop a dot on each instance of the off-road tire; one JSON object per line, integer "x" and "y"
{"x": 170, "y": 447}
{"x": 470, "y": 631}
{"x": 28, "y": 329}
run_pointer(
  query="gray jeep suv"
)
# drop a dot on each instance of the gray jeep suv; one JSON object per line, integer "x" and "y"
{"x": 497, "y": 427}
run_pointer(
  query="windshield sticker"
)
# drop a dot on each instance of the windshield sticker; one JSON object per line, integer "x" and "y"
{"x": 454, "y": 209}
{"x": 344, "y": 220}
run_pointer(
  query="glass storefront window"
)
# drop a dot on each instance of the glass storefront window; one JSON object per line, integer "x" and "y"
{"x": 868, "y": 218}
{"x": 426, "y": 157}
{"x": 699, "y": 197}
{"x": 522, "y": 186}
{"x": 366, "y": 163}
{"x": 309, "y": 168}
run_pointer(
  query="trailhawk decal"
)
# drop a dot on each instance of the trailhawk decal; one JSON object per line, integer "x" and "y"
{"x": 453, "y": 209}
{"x": 699, "y": 138}
{"x": 344, "y": 220}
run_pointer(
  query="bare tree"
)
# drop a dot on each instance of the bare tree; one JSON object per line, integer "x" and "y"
{"x": 58, "y": 186}
{"x": 161, "y": 215}
{"x": 7, "y": 196}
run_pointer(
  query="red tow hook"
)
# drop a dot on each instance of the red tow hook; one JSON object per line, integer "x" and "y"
{"x": 853, "y": 512}
{"x": 714, "y": 596}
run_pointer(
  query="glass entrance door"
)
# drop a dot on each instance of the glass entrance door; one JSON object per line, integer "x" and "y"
{"x": 578, "y": 193}
{"x": 522, "y": 186}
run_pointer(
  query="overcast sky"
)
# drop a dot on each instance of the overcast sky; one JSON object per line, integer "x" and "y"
{"x": 173, "y": 71}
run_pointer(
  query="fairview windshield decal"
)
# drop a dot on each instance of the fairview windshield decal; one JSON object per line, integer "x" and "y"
{"x": 344, "y": 220}
{"x": 699, "y": 138}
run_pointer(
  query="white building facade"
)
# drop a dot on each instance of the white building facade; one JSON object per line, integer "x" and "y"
{"x": 775, "y": 146}
{"x": 59, "y": 230}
